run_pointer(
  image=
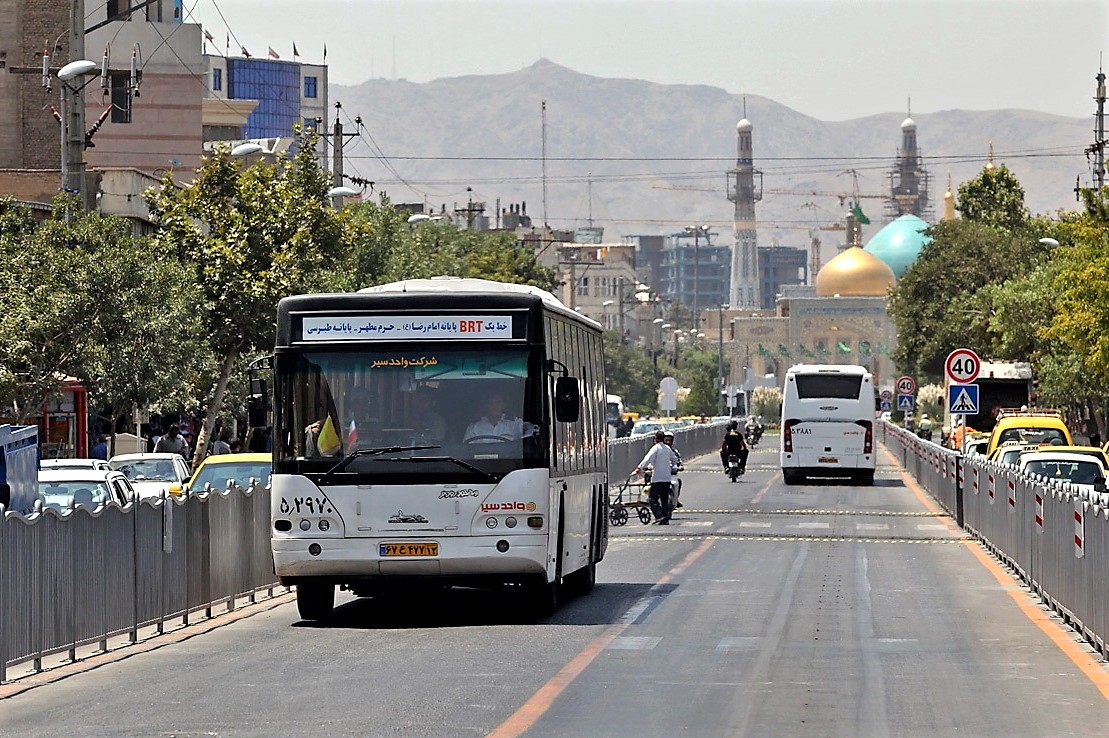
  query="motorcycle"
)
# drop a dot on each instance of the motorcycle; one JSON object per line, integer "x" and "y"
{"x": 734, "y": 471}
{"x": 751, "y": 435}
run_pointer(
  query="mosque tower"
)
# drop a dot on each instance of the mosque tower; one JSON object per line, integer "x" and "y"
{"x": 744, "y": 189}
{"x": 948, "y": 201}
{"x": 909, "y": 179}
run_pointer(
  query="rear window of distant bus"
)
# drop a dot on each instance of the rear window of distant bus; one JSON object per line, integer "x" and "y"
{"x": 840, "y": 386}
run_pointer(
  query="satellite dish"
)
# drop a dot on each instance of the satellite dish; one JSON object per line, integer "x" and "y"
{"x": 76, "y": 69}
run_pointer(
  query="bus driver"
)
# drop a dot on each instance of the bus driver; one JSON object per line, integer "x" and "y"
{"x": 494, "y": 426}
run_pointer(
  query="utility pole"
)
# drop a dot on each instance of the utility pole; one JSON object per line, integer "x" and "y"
{"x": 1098, "y": 146}
{"x": 722, "y": 385}
{"x": 543, "y": 136}
{"x": 73, "y": 122}
{"x": 339, "y": 141}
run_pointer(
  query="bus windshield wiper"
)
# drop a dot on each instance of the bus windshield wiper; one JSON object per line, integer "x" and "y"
{"x": 432, "y": 459}
{"x": 369, "y": 452}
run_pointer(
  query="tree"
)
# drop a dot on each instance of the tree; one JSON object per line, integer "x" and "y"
{"x": 942, "y": 301}
{"x": 698, "y": 371}
{"x": 250, "y": 237}
{"x": 630, "y": 374}
{"x": 994, "y": 198}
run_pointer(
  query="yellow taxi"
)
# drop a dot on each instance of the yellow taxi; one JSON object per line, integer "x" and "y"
{"x": 1034, "y": 427}
{"x": 219, "y": 469}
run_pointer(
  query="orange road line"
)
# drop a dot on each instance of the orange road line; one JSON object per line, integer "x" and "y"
{"x": 538, "y": 704}
{"x": 1063, "y": 639}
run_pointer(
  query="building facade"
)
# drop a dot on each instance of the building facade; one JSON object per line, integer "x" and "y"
{"x": 694, "y": 272}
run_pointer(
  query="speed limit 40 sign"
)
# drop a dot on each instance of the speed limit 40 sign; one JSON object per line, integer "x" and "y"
{"x": 906, "y": 386}
{"x": 962, "y": 366}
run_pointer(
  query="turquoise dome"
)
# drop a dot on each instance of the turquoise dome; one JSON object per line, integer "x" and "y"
{"x": 899, "y": 243}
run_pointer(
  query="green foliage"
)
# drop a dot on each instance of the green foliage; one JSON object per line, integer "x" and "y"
{"x": 698, "y": 371}
{"x": 629, "y": 373}
{"x": 994, "y": 198}
{"x": 946, "y": 299}
{"x": 767, "y": 402}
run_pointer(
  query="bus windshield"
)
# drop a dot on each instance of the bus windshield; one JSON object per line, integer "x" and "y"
{"x": 829, "y": 386}
{"x": 438, "y": 412}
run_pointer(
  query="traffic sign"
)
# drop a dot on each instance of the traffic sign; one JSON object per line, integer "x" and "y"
{"x": 906, "y": 386}
{"x": 886, "y": 406}
{"x": 905, "y": 403}
{"x": 962, "y": 366}
{"x": 886, "y": 396}
{"x": 962, "y": 399}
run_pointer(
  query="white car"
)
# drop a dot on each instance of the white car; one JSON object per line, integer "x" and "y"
{"x": 1084, "y": 473}
{"x": 74, "y": 464}
{"x": 92, "y": 488}
{"x": 646, "y": 427}
{"x": 152, "y": 474}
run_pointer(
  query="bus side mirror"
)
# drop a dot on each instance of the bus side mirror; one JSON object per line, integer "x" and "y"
{"x": 567, "y": 400}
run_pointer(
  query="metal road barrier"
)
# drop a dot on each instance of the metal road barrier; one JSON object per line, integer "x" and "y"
{"x": 1053, "y": 536}
{"x": 691, "y": 441}
{"x": 73, "y": 579}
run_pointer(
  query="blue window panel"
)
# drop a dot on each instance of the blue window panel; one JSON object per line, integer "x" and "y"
{"x": 276, "y": 87}
{"x": 217, "y": 79}
{"x": 309, "y": 86}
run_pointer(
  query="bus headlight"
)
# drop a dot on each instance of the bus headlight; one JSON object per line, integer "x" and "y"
{"x": 324, "y": 524}
{"x": 510, "y": 522}
{"x": 490, "y": 522}
{"x": 305, "y": 524}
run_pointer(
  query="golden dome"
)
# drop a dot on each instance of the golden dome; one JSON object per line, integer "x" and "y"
{"x": 855, "y": 273}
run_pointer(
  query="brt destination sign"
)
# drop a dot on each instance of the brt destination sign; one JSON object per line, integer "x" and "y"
{"x": 406, "y": 327}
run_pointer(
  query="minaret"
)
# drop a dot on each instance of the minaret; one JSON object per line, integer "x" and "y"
{"x": 948, "y": 201}
{"x": 989, "y": 160}
{"x": 908, "y": 178}
{"x": 745, "y": 189}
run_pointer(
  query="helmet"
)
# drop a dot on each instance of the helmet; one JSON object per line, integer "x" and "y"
{"x": 733, "y": 425}
{"x": 668, "y": 434}
{"x": 923, "y": 416}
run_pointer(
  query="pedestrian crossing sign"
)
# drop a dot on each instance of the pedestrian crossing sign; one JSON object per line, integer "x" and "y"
{"x": 962, "y": 399}
{"x": 905, "y": 403}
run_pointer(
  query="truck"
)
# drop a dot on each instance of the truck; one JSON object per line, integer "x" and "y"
{"x": 1001, "y": 384}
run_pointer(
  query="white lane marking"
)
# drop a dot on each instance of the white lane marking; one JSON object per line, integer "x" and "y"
{"x": 634, "y": 643}
{"x": 872, "y": 526}
{"x": 750, "y": 524}
{"x": 814, "y": 526}
{"x": 931, "y": 526}
{"x": 694, "y": 523}
{"x": 736, "y": 643}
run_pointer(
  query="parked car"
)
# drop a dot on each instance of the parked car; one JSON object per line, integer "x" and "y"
{"x": 218, "y": 469}
{"x": 152, "y": 474}
{"x": 646, "y": 427}
{"x": 73, "y": 464}
{"x": 1083, "y": 472}
{"x": 91, "y": 488}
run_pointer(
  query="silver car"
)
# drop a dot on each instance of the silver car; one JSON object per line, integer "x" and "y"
{"x": 152, "y": 474}
{"x": 62, "y": 489}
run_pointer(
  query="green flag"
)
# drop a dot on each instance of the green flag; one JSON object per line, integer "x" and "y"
{"x": 864, "y": 348}
{"x": 763, "y": 351}
{"x": 783, "y": 350}
{"x": 843, "y": 348}
{"x": 821, "y": 348}
{"x": 857, "y": 211}
{"x": 804, "y": 351}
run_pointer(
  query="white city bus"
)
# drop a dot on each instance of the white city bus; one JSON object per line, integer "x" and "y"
{"x": 386, "y": 475}
{"x": 828, "y": 423}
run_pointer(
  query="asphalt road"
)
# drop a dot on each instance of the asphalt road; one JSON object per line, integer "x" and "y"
{"x": 764, "y": 610}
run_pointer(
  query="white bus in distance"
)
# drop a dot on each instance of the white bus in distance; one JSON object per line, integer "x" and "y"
{"x": 828, "y": 423}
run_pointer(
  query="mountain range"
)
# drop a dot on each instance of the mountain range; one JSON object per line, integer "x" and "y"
{"x": 645, "y": 158}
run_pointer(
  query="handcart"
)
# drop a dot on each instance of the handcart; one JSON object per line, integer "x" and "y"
{"x": 618, "y": 508}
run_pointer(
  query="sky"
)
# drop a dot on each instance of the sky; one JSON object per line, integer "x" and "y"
{"x": 829, "y": 59}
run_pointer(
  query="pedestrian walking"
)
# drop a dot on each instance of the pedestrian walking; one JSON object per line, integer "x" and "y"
{"x": 660, "y": 458}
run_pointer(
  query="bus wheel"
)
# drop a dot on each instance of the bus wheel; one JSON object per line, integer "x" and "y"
{"x": 790, "y": 477}
{"x": 581, "y": 581}
{"x": 544, "y": 597}
{"x": 865, "y": 479}
{"x": 315, "y": 600}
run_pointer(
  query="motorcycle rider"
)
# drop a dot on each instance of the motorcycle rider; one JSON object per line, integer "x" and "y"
{"x": 925, "y": 427}
{"x": 734, "y": 444}
{"x": 675, "y": 467}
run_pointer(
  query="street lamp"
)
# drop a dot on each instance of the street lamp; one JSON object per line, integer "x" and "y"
{"x": 722, "y": 387}
{"x": 73, "y": 138}
{"x": 1051, "y": 243}
{"x": 246, "y": 149}
{"x": 677, "y": 337}
{"x": 655, "y": 349}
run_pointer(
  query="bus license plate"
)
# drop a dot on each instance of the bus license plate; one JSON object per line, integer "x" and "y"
{"x": 408, "y": 549}
{"x": 828, "y": 460}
